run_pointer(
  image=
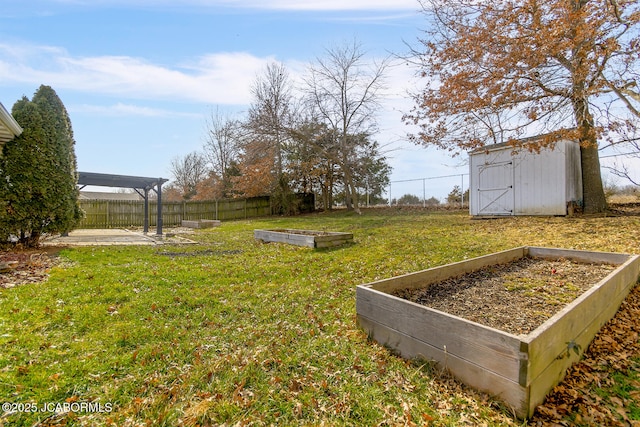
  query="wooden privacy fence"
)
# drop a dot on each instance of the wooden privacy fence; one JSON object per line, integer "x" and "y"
{"x": 127, "y": 213}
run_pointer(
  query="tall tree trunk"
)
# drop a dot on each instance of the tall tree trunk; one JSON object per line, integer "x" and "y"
{"x": 592, "y": 189}
{"x": 325, "y": 198}
{"x": 330, "y": 186}
{"x": 593, "y": 197}
{"x": 354, "y": 195}
{"x": 347, "y": 175}
{"x": 347, "y": 194}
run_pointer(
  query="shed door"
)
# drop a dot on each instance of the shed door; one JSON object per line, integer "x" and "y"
{"x": 495, "y": 188}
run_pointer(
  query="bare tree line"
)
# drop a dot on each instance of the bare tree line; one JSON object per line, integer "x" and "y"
{"x": 316, "y": 135}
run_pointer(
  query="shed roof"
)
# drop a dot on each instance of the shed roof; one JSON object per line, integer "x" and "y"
{"x": 515, "y": 144}
{"x": 9, "y": 128}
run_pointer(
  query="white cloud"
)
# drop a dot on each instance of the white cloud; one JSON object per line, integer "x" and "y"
{"x": 220, "y": 78}
{"x": 128, "y": 110}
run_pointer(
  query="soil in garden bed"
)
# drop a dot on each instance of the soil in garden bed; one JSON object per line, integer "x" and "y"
{"x": 516, "y": 297}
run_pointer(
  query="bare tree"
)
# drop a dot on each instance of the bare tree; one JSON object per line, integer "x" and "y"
{"x": 344, "y": 90}
{"x": 222, "y": 147}
{"x": 270, "y": 116}
{"x": 188, "y": 172}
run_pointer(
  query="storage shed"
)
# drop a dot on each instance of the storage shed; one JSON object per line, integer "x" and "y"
{"x": 504, "y": 181}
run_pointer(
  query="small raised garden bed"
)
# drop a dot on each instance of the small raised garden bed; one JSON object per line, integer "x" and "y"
{"x": 309, "y": 238}
{"x": 201, "y": 223}
{"x": 544, "y": 328}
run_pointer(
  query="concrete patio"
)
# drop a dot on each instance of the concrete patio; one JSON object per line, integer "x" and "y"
{"x": 105, "y": 237}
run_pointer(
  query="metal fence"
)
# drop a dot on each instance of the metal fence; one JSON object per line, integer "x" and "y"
{"x": 424, "y": 188}
{"x": 127, "y": 213}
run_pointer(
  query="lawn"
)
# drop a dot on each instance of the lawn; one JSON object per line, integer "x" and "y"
{"x": 234, "y": 331}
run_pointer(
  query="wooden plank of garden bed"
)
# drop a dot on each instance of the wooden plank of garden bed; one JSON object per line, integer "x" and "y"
{"x": 331, "y": 241}
{"x": 479, "y": 345}
{"x": 201, "y": 223}
{"x": 577, "y": 256}
{"x": 284, "y": 237}
{"x": 300, "y": 240}
{"x": 469, "y": 373}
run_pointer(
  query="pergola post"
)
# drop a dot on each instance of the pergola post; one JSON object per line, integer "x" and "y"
{"x": 146, "y": 210}
{"x": 159, "y": 225}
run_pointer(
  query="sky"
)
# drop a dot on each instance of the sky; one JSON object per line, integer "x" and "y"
{"x": 140, "y": 78}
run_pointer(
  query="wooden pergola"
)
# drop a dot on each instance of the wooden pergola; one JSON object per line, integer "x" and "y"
{"x": 140, "y": 184}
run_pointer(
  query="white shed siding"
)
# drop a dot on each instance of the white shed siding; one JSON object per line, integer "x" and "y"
{"x": 524, "y": 183}
{"x": 540, "y": 182}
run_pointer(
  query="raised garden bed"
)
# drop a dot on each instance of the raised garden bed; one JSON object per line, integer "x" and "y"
{"x": 309, "y": 238}
{"x": 201, "y": 223}
{"x": 518, "y": 361}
